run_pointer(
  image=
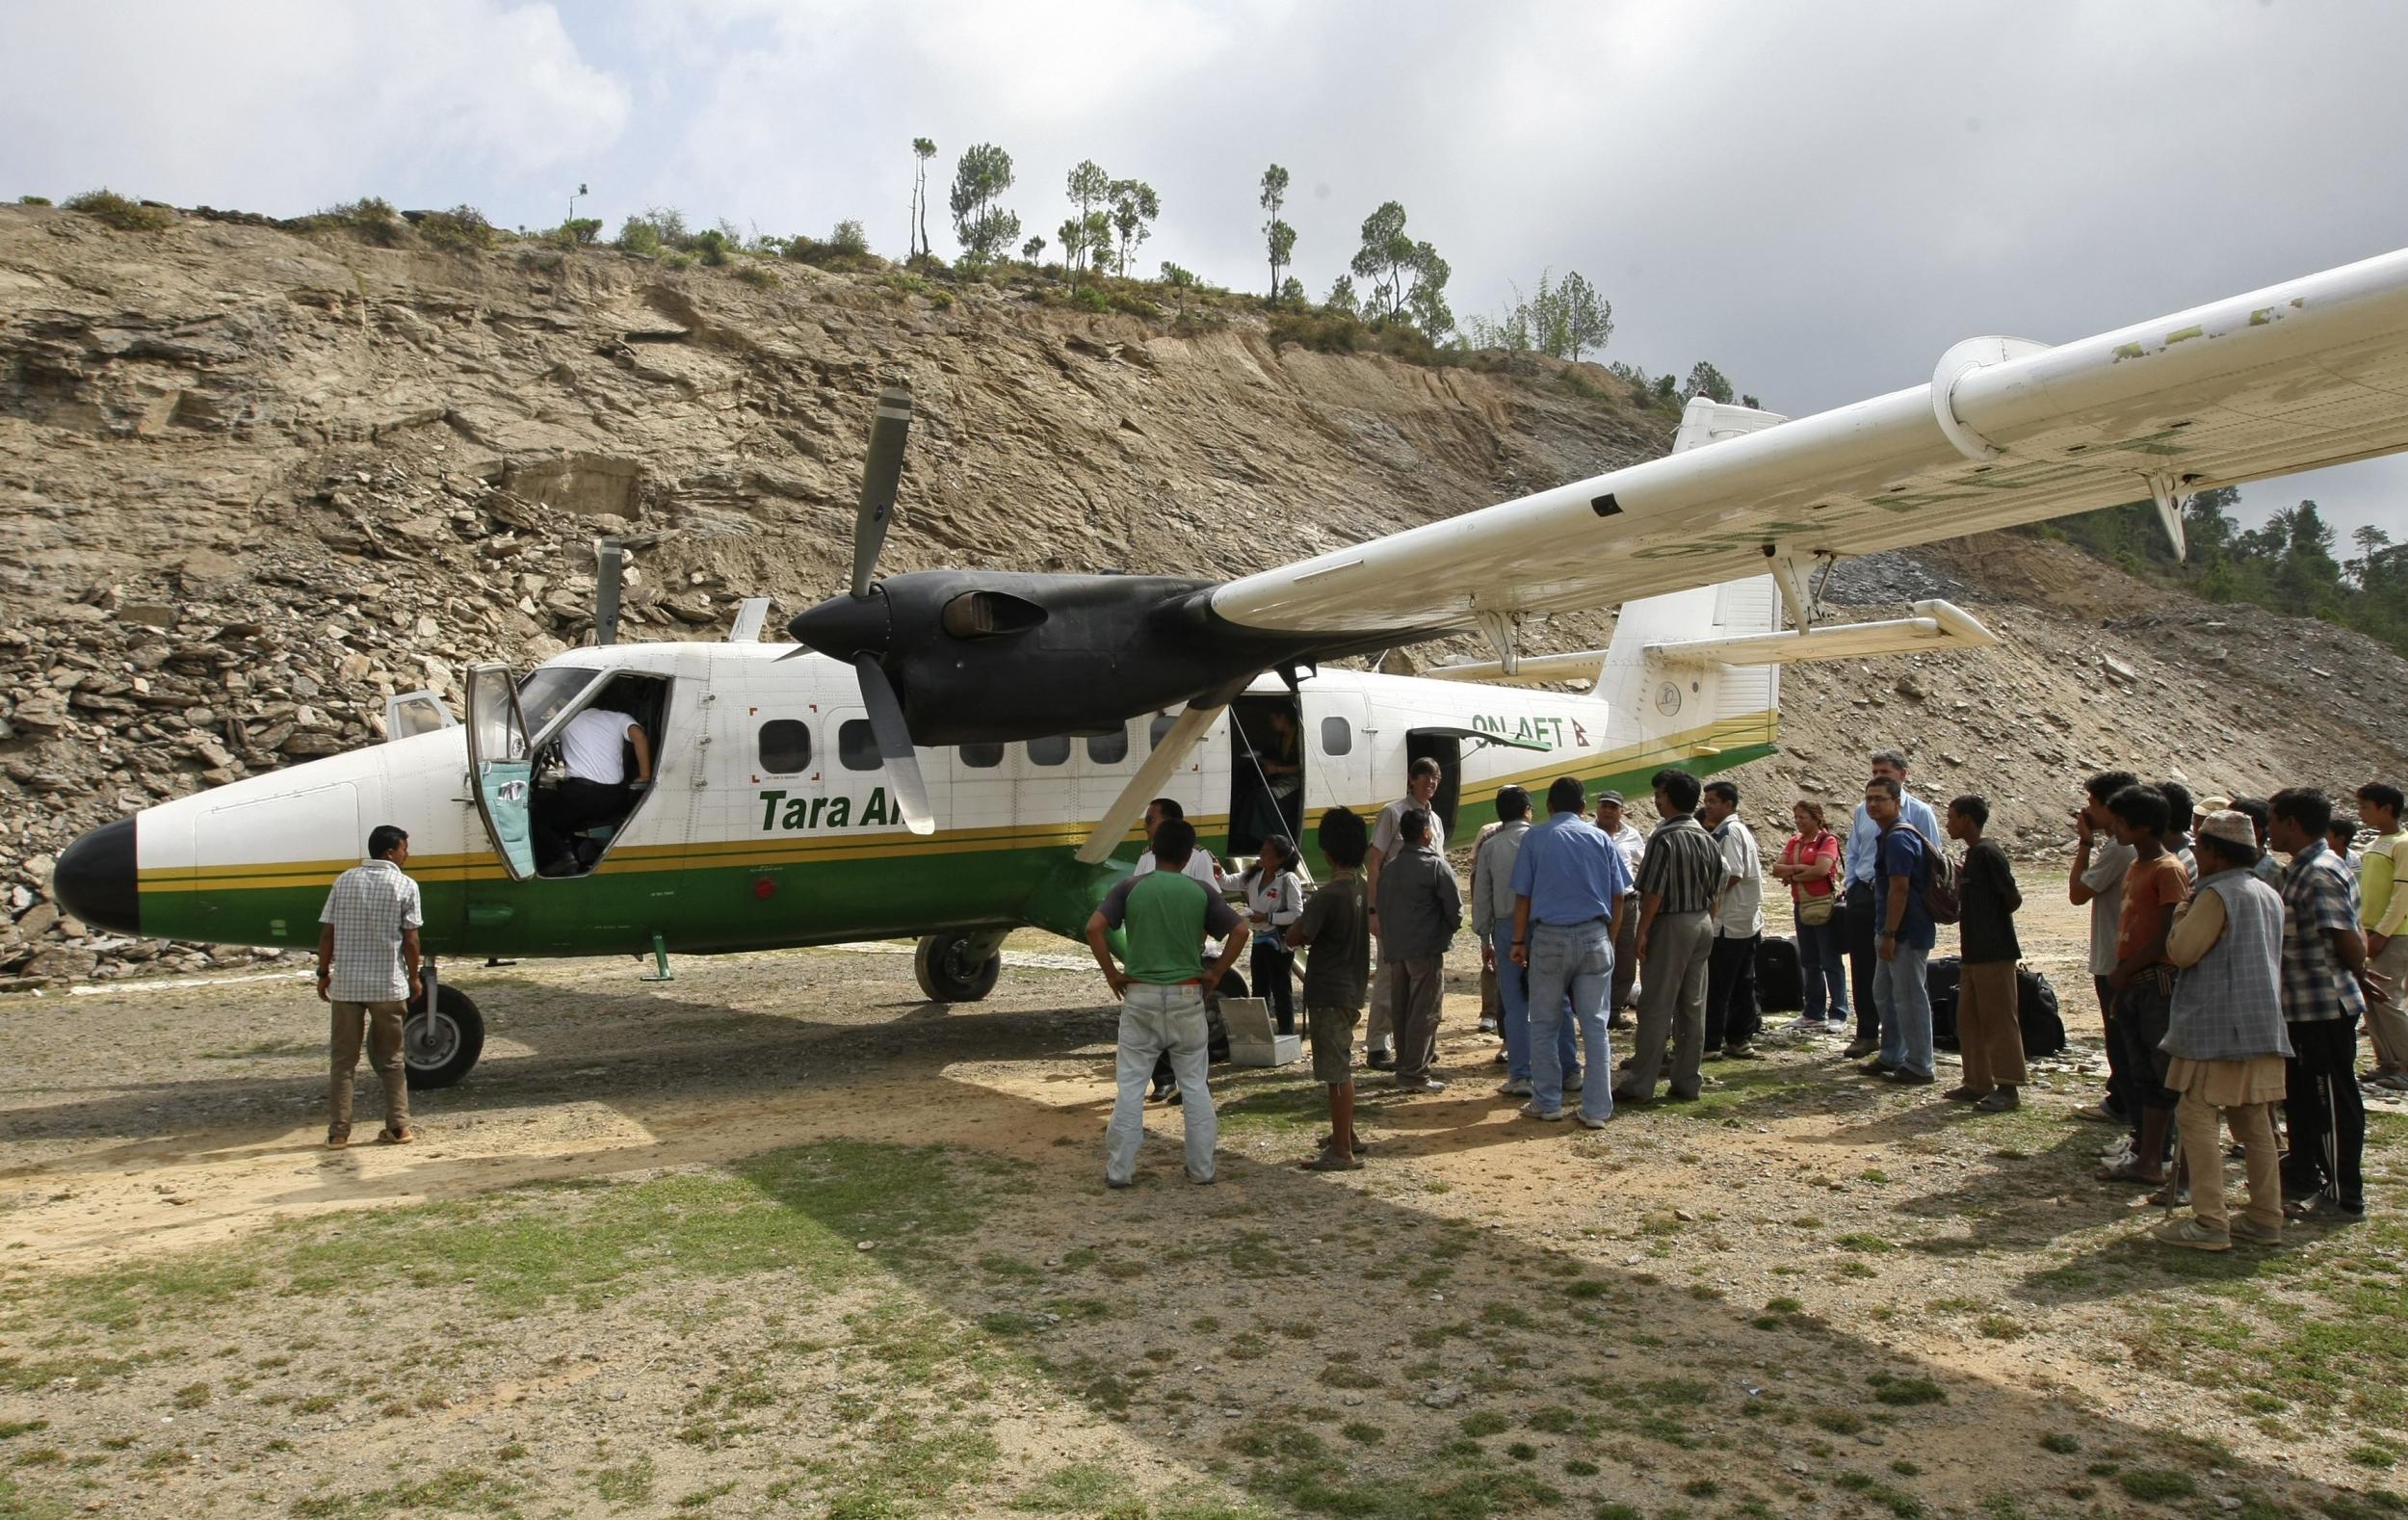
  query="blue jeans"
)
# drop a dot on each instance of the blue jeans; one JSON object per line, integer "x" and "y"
{"x": 1575, "y": 959}
{"x": 1154, "y": 1021}
{"x": 1820, "y": 964}
{"x": 1904, "y": 1001}
{"x": 1513, "y": 994}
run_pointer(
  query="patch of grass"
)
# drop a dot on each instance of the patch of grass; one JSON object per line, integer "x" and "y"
{"x": 18, "y": 1376}
{"x": 192, "y": 1396}
{"x": 2062, "y": 1445}
{"x": 1485, "y": 1422}
{"x": 1362, "y": 1433}
{"x": 1839, "y": 1421}
{"x": 1865, "y": 1241}
{"x": 1899, "y": 1503}
{"x": 1575, "y": 1467}
{"x": 2001, "y": 1327}
{"x": 1076, "y": 1489}
{"x": 2158, "y": 1484}
{"x": 1701, "y": 1488}
{"x": 455, "y": 1488}
{"x": 1904, "y": 1391}
{"x": 10, "y": 1430}
{"x": 803, "y": 1207}
{"x": 111, "y": 209}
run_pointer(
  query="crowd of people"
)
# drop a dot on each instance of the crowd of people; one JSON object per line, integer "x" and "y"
{"x": 2236, "y": 946}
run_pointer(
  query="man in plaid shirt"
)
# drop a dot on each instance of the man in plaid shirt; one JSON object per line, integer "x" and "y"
{"x": 2325, "y": 990}
{"x": 367, "y": 966}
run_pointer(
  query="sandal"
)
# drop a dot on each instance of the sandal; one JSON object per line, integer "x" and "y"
{"x": 1360, "y": 1148}
{"x": 2129, "y": 1171}
{"x": 1331, "y": 1161}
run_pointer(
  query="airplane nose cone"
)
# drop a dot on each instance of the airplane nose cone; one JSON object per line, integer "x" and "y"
{"x": 94, "y": 879}
{"x": 843, "y": 627}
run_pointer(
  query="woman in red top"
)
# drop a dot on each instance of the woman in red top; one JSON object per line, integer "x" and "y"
{"x": 1810, "y": 863}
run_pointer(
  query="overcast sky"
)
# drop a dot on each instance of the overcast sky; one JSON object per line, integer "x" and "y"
{"x": 1818, "y": 197}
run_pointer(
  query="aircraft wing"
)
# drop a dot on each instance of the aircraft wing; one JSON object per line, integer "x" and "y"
{"x": 2298, "y": 376}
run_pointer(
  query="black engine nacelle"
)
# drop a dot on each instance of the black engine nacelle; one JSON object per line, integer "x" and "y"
{"x": 979, "y": 657}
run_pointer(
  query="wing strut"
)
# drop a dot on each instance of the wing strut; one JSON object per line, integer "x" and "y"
{"x": 1147, "y": 784}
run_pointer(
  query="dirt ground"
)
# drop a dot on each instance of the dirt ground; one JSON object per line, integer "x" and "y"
{"x": 778, "y": 1237}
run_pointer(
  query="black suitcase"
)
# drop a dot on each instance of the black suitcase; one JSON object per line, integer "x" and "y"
{"x": 2037, "y": 1011}
{"x": 1780, "y": 987}
{"x": 1941, "y": 981}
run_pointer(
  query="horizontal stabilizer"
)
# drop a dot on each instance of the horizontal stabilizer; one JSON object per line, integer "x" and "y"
{"x": 1532, "y": 669}
{"x": 1936, "y": 626}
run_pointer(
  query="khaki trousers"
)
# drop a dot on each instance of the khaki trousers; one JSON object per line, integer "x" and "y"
{"x": 2203, "y": 1159}
{"x": 381, "y": 1024}
{"x": 1414, "y": 987}
{"x": 2387, "y": 1023}
{"x": 1671, "y": 1004}
{"x": 1988, "y": 1030}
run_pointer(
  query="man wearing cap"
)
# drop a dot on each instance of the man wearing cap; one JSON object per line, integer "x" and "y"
{"x": 1632, "y": 846}
{"x": 2226, "y": 1036}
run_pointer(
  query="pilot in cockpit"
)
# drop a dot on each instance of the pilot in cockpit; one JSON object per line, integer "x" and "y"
{"x": 596, "y": 787}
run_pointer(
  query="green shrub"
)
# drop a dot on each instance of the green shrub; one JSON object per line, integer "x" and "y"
{"x": 33, "y": 200}
{"x": 639, "y": 237}
{"x": 675, "y": 260}
{"x": 757, "y": 275}
{"x": 111, "y": 209}
{"x": 370, "y": 218}
{"x": 462, "y": 229}
{"x": 849, "y": 237}
{"x": 1086, "y": 297}
{"x": 577, "y": 232}
{"x": 710, "y": 245}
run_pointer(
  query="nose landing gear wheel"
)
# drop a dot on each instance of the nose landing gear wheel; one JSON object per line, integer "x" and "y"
{"x": 958, "y": 969}
{"x": 440, "y": 1050}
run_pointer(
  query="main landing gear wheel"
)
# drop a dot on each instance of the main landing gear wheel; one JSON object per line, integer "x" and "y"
{"x": 438, "y": 1051}
{"x": 959, "y": 968}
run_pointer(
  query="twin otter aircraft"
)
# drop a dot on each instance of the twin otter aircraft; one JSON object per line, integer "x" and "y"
{"x": 953, "y": 754}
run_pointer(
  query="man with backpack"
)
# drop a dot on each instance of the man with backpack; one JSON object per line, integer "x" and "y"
{"x": 1905, "y": 872}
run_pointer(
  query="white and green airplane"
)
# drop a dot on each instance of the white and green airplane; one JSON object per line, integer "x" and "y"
{"x": 952, "y": 755}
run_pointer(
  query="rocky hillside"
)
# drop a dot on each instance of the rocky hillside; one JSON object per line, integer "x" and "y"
{"x": 253, "y": 481}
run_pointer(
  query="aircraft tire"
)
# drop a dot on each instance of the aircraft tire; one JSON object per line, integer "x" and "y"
{"x": 947, "y": 974}
{"x": 439, "y": 1055}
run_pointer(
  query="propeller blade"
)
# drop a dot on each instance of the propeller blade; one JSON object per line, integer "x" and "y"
{"x": 879, "y": 477}
{"x": 893, "y": 746}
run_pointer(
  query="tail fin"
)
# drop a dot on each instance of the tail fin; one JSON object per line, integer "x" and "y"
{"x": 1670, "y": 714}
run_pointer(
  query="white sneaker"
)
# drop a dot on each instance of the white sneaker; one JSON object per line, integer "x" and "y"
{"x": 1518, "y": 1087}
{"x": 1535, "y": 1112}
{"x": 1840, "y": 1026}
{"x": 1802, "y": 1025}
{"x": 2120, "y": 1152}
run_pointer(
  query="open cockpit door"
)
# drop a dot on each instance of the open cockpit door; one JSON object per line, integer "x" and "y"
{"x": 501, "y": 766}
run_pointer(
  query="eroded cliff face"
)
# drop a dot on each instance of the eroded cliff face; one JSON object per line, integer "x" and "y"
{"x": 253, "y": 481}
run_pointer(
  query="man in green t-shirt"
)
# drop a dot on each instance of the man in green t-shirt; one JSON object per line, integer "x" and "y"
{"x": 2383, "y": 918}
{"x": 1167, "y": 917}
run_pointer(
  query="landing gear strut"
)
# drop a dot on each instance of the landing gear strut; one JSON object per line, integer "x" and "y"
{"x": 439, "y": 1049}
{"x": 959, "y": 968}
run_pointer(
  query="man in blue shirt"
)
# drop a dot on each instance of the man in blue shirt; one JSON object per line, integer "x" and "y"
{"x": 1906, "y": 935}
{"x": 1570, "y": 881}
{"x": 1856, "y": 875}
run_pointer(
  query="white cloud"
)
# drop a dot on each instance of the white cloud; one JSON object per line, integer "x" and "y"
{"x": 287, "y": 105}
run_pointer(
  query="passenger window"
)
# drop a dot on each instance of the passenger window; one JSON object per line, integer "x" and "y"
{"x": 1051, "y": 750}
{"x": 1109, "y": 749}
{"x": 856, "y": 747}
{"x": 1337, "y": 736}
{"x": 1155, "y": 730}
{"x": 785, "y": 745}
{"x": 981, "y": 758}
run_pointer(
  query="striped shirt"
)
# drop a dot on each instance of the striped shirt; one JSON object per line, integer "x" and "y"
{"x": 370, "y": 906}
{"x": 1683, "y": 866}
{"x": 2318, "y": 894}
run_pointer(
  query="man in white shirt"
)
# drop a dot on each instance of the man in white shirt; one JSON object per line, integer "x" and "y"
{"x": 1731, "y": 1016}
{"x": 1856, "y": 873}
{"x": 596, "y": 789}
{"x": 1634, "y": 845}
{"x": 2096, "y": 877}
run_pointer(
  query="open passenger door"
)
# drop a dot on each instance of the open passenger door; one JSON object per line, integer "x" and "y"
{"x": 501, "y": 766}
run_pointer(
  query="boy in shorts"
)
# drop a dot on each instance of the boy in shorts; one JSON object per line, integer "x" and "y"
{"x": 1335, "y": 927}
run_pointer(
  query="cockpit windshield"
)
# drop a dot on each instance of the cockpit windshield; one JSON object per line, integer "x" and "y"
{"x": 545, "y": 692}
